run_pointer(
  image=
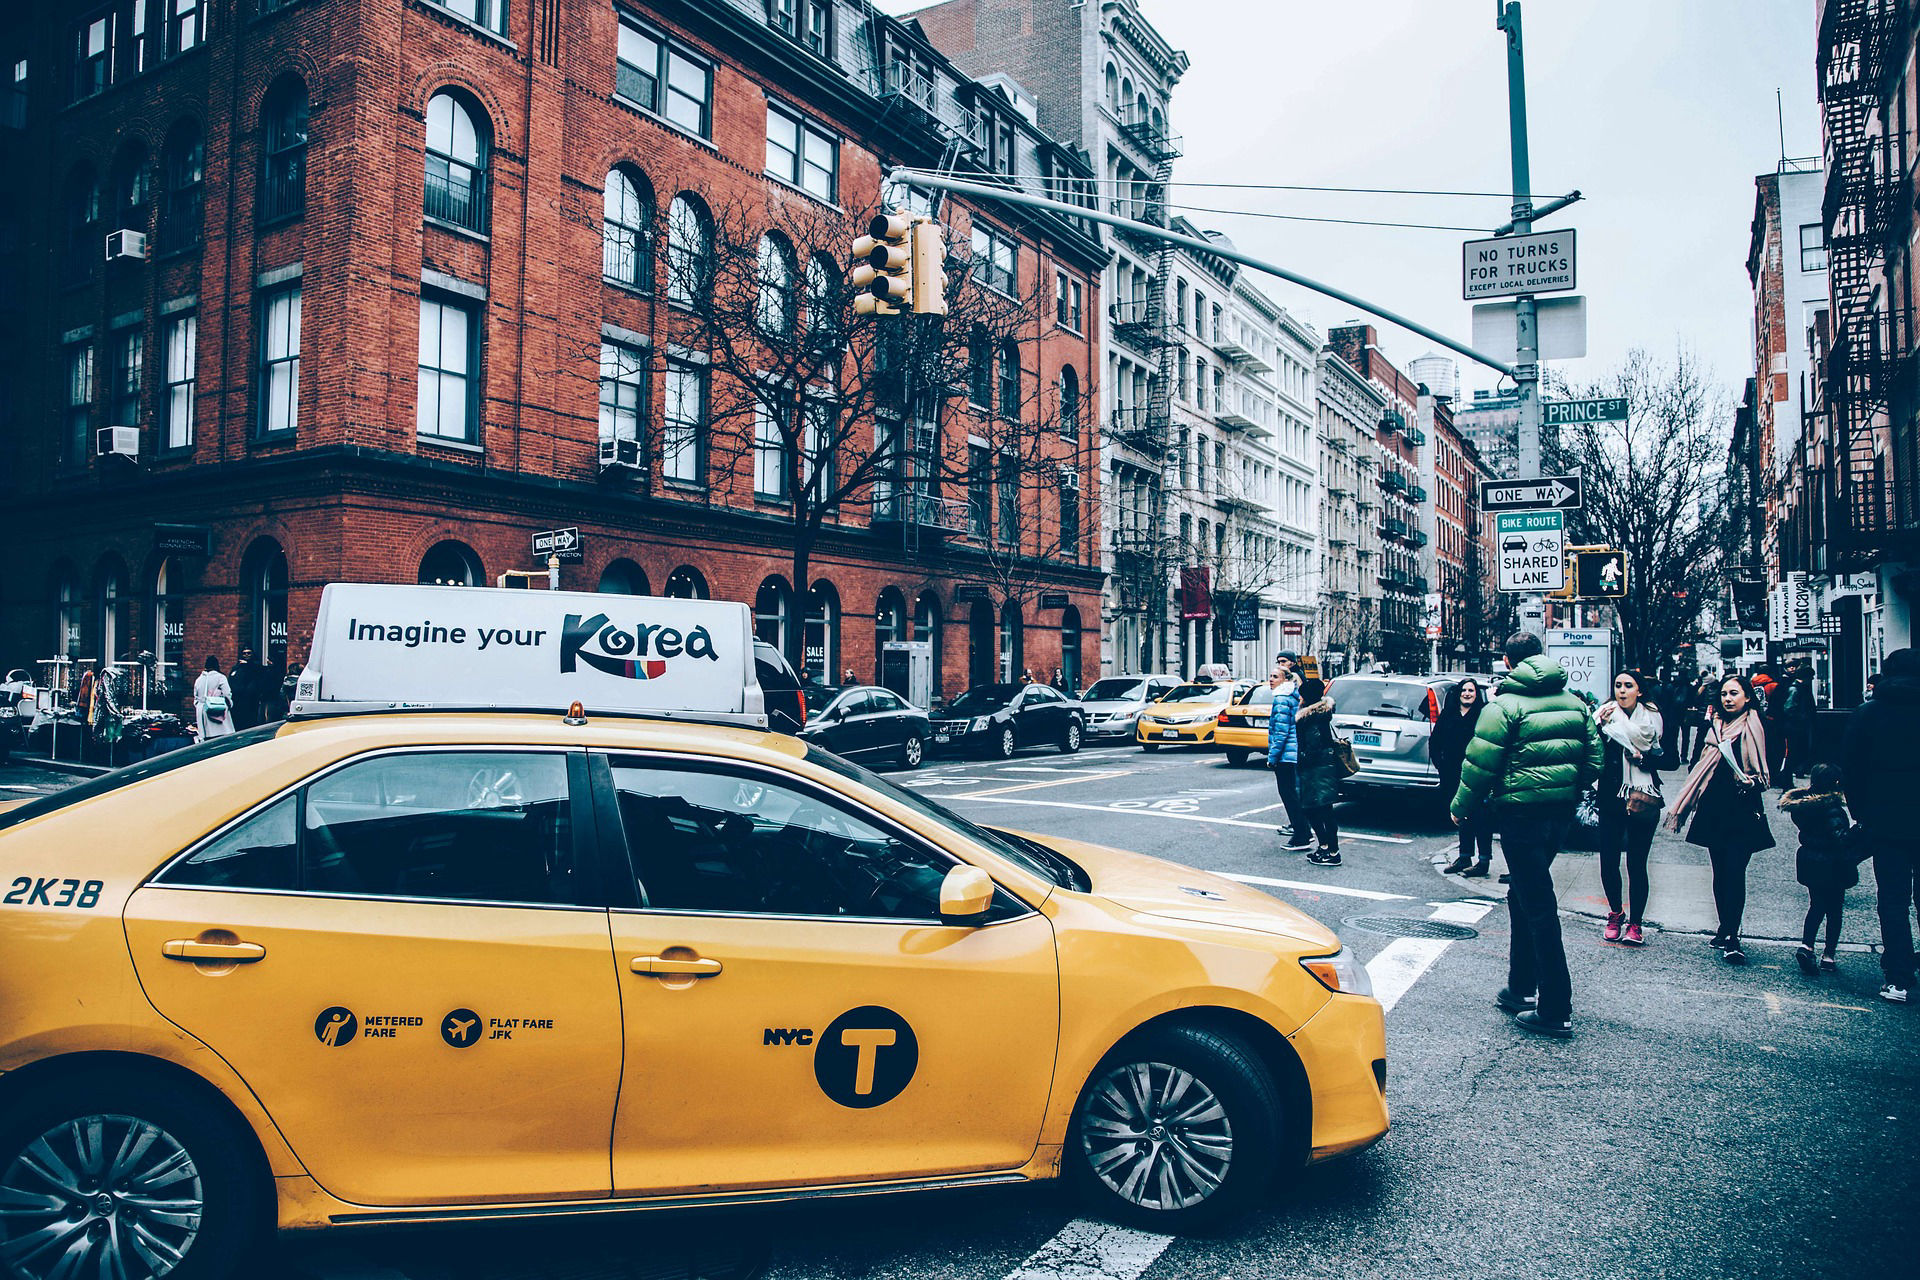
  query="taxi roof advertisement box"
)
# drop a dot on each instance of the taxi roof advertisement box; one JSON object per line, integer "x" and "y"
{"x": 380, "y": 645}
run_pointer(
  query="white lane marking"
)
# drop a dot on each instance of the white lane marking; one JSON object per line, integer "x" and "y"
{"x": 1041, "y": 785}
{"x": 1159, "y": 813}
{"x": 1314, "y": 887}
{"x": 1265, "y": 808}
{"x": 1400, "y": 963}
{"x": 15, "y": 786}
{"x": 1093, "y": 1251}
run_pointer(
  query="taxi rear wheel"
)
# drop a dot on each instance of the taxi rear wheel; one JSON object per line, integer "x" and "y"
{"x": 125, "y": 1178}
{"x": 1236, "y": 756}
{"x": 1179, "y": 1129}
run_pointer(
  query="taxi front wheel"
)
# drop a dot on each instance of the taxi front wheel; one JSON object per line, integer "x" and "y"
{"x": 1178, "y": 1130}
{"x": 126, "y": 1178}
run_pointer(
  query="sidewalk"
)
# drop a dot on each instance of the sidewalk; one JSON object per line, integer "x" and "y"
{"x": 1680, "y": 894}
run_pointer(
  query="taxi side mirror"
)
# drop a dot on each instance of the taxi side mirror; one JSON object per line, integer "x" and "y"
{"x": 965, "y": 894}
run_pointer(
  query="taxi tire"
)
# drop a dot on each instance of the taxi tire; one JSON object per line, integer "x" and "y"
{"x": 1149, "y": 746}
{"x": 237, "y": 1216}
{"x": 1255, "y": 1107}
{"x": 1236, "y": 756}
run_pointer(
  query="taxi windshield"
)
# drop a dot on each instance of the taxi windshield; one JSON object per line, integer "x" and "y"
{"x": 983, "y": 699}
{"x": 1198, "y": 693}
{"x": 1030, "y": 856}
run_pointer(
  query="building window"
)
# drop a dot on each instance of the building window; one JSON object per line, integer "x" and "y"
{"x": 1009, "y": 498}
{"x": 626, "y": 250}
{"x": 1069, "y": 403}
{"x": 186, "y": 24}
{"x": 773, "y": 309}
{"x": 979, "y": 492}
{"x": 819, "y": 437}
{"x": 1070, "y": 517}
{"x": 82, "y": 213}
{"x": 1067, "y": 302}
{"x": 449, "y": 403}
{"x": 802, "y": 153}
{"x": 280, "y": 362}
{"x": 995, "y": 259}
{"x": 283, "y": 173}
{"x": 491, "y": 14}
{"x": 980, "y": 368}
{"x": 79, "y": 399}
{"x": 823, "y": 299}
{"x": 772, "y": 611}
{"x": 129, "y": 364}
{"x": 810, "y": 22}
{"x": 623, "y": 391}
{"x": 93, "y": 54}
{"x": 1813, "y": 247}
{"x": 689, "y": 251}
{"x": 456, "y": 181}
{"x": 1010, "y": 380}
{"x": 177, "y": 407}
{"x": 664, "y": 78}
{"x": 769, "y": 455}
{"x": 185, "y": 167}
{"x": 684, "y": 436}
{"x": 451, "y": 564}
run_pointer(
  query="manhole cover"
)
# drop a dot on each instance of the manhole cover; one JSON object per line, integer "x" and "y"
{"x": 1412, "y": 927}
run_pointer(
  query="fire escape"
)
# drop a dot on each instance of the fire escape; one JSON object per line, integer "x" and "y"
{"x": 1865, "y": 484}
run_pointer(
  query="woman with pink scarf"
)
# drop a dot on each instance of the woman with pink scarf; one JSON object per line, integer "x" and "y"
{"x": 1723, "y": 796}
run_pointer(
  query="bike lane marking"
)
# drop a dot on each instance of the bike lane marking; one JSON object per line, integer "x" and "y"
{"x": 1311, "y": 886}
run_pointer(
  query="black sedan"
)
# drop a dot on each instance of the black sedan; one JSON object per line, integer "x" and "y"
{"x": 867, "y": 723}
{"x": 999, "y": 719}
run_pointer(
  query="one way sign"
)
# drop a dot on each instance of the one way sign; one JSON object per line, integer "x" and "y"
{"x": 1548, "y": 493}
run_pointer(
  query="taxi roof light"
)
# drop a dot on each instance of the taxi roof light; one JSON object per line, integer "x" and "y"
{"x": 576, "y": 714}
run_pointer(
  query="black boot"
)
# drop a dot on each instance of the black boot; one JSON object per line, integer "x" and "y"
{"x": 1480, "y": 870}
{"x": 1458, "y": 865}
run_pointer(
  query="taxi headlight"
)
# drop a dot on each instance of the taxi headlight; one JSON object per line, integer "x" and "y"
{"x": 979, "y": 724}
{"x": 1340, "y": 972}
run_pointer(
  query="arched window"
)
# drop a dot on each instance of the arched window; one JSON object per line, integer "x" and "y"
{"x": 457, "y": 147}
{"x": 1126, "y": 94}
{"x": 169, "y": 618}
{"x": 623, "y": 578}
{"x": 775, "y": 272}
{"x": 686, "y": 583}
{"x": 1112, "y": 85}
{"x": 114, "y": 620}
{"x": 1070, "y": 650}
{"x": 132, "y": 188}
{"x": 980, "y": 367}
{"x": 186, "y": 172}
{"x": 689, "y": 251}
{"x": 451, "y": 564}
{"x": 283, "y": 152}
{"x": 772, "y": 611}
{"x": 1010, "y": 380}
{"x": 1013, "y": 646}
{"x": 822, "y": 634}
{"x": 80, "y": 209}
{"x": 823, "y": 298}
{"x": 1069, "y": 403}
{"x": 266, "y": 630}
{"x": 626, "y": 251}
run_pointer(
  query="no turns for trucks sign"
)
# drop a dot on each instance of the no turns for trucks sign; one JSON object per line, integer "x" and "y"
{"x": 1532, "y": 550}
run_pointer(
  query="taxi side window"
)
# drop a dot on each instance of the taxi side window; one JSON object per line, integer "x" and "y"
{"x": 742, "y": 845}
{"x": 261, "y": 853}
{"x": 470, "y": 826}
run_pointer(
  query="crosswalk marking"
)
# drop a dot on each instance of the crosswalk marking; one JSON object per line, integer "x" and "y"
{"x": 1314, "y": 886}
{"x": 1093, "y": 1251}
{"x": 1400, "y": 963}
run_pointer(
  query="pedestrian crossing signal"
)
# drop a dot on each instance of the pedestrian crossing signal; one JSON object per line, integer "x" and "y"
{"x": 1600, "y": 575}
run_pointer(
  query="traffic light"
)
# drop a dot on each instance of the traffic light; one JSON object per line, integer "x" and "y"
{"x": 929, "y": 269}
{"x": 1600, "y": 574}
{"x": 885, "y": 261}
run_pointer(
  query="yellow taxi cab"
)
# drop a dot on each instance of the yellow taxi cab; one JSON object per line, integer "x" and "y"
{"x": 1241, "y": 726}
{"x": 1187, "y": 716}
{"x": 428, "y": 964}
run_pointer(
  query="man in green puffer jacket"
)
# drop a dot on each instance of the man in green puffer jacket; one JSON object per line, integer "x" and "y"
{"x": 1535, "y": 750}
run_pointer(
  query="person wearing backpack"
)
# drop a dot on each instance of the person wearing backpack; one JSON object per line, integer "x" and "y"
{"x": 1825, "y": 864}
{"x": 213, "y": 701}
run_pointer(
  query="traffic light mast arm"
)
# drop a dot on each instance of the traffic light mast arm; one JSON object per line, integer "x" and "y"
{"x": 1003, "y": 195}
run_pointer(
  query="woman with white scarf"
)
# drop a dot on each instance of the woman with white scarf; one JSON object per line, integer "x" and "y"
{"x": 1629, "y": 801}
{"x": 1723, "y": 795}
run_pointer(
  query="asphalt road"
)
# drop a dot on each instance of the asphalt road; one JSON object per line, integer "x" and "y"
{"x": 1703, "y": 1122}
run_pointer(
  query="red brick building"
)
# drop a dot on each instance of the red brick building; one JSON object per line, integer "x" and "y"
{"x": 420, "y": 279}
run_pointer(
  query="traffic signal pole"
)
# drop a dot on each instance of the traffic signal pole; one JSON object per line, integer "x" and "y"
{"x": 1526, "y": 371}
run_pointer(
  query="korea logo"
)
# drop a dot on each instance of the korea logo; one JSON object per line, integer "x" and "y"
{"x": 866, "y": 1057}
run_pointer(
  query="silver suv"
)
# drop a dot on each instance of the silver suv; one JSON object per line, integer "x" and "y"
{"x": 1114, "y": 703}
{"x": 1388, "y": 719}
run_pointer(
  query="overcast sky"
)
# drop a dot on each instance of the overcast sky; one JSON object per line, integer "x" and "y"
{"x": 1660, "y": 111}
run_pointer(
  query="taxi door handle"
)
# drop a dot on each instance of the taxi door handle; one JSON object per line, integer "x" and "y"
{"x": 194, "y": 949}
{"x": 675, "y": 967}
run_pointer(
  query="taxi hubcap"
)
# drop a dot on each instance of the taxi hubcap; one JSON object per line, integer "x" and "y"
{"x": 99, "y": 1195}
{"x": 1157, "y": 1136}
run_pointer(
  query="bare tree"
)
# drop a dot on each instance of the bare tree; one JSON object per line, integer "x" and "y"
{"x": 1654, "y": 486}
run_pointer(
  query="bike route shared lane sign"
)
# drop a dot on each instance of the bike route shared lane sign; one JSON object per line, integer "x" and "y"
{"x": 1532, "y": 549}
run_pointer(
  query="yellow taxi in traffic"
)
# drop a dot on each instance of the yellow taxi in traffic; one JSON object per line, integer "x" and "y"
{"x": 1241, "y": 726}
{"x": 425, "y": 965}
{"x": 1187, "y": 716}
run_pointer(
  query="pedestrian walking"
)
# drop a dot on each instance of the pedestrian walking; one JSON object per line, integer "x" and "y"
{"x": 1534, "y": 751}
{"x": 1671, "y": 699}
{"x": 212, "y": 701}
{"x": 1629, "y": 800}
{"x": 1447, "y": 748}
{"x": 1699, "y": 714}
{"x": 1771, "y": 704}
{"x": 1283, "y": 755}
{"x": 1880, "y": 773}
{"x": 1796, "y": 722}
{"x": 1319, "y": 772}
{"x": 1722, "y": 796}
{"x": 1825, "y": 863}
{"x": 246, "y": 681}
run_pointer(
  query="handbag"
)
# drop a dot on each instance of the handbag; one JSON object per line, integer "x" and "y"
{"x": 1343, "y": 757}
{"x": 1641, "y": 802}
{"x": 216, "y": 709}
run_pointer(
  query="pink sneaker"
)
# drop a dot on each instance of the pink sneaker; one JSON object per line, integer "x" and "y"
{"x": 1632, "y": 936}
{"x": 1614, "y": 921}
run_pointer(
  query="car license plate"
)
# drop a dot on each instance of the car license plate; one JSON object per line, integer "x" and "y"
{"x": 1368, "y": 738}
{"x": 1257, "y": 722}
{"x": 1169, "y": 733}
{"x": 943, "y": 737}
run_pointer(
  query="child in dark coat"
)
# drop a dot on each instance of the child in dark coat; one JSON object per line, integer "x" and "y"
{"x": 1825, "y": 863}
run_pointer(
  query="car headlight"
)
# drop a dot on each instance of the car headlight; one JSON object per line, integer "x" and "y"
{"x": 1340, "y": 972}
{"x": 979, "y": 724}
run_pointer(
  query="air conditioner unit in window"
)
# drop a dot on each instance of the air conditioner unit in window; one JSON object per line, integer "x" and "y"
{"x": 619, "y": 453}
{"x": 126, "y": 244}
{"x": 123, "y": 441}
{"x": 1069, "y": 477}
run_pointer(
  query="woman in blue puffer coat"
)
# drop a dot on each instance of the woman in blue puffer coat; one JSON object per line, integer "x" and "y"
{"x": 1283, "y": 755}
